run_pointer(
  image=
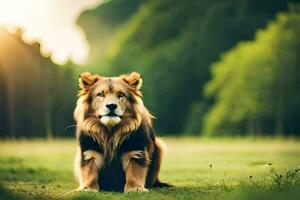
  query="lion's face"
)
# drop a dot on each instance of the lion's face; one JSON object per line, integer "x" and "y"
{"x": 108, "y": 99}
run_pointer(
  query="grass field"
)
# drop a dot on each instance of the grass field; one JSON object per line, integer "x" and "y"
{"x": 199, "y": 168}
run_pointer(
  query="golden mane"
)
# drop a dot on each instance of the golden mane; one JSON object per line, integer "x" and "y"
{"x": 110, "y": 139}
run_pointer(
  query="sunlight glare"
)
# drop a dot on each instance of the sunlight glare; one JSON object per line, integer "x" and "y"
{"x": 52, "y": 22}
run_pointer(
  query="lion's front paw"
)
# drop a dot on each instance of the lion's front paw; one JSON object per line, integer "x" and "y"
{"x": 135, "y": 189}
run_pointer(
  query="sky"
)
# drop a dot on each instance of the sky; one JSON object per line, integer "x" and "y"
{"x": 52, "y": 23}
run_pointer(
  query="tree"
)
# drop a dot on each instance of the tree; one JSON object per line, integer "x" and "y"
{"x": 255, "y": 85}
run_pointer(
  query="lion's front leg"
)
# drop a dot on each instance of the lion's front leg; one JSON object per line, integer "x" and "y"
{"x": 91, "y": 163}
{"x": 135, "y": 164}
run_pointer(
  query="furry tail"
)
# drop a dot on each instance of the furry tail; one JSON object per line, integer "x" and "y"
{"x": 161, "y": 148}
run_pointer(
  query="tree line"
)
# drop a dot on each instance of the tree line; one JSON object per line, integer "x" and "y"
{"x": 209, "y": 67}
{"x": 173, "y": 43}
{"x": 37, "y": 96}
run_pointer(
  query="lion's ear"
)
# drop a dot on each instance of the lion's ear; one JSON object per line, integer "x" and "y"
{"x": 86, "y": 80}
{"x": 134, "y": 79}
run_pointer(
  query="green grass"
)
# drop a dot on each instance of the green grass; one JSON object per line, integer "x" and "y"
{"x": 199, "y": 169}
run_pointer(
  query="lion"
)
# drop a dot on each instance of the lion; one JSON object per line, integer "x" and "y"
{"x": 117, "y": 146}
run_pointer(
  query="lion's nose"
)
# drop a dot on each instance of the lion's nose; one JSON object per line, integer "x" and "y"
{"x": 111, "y": 106}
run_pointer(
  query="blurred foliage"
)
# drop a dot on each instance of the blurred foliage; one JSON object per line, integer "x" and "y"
{"x": 37, "y": 97}
{"x": 256, "y": 84}
{"x": 102, "y": 24}
{"x": 172, "y": 43}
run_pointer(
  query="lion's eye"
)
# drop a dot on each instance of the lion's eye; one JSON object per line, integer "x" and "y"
{"x": 121, "y": 94}
{"x": 100, "y": 94}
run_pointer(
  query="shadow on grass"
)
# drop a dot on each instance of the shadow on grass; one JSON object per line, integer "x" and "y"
{"x": 245, "y": 193}
{"x": 213, "y": 193}
{"x": 5, "y": 195}
{"x": 165, "y": 193}
{"x": 208, "y": 193}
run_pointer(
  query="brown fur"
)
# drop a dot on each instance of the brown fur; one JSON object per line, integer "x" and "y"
{"x": 89, "y": 173}
{"x": 161, "y": 149}
{"x": 135, "y": 173}
{"x": 88, "y": 122}
{"x": 137, "y": 165}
